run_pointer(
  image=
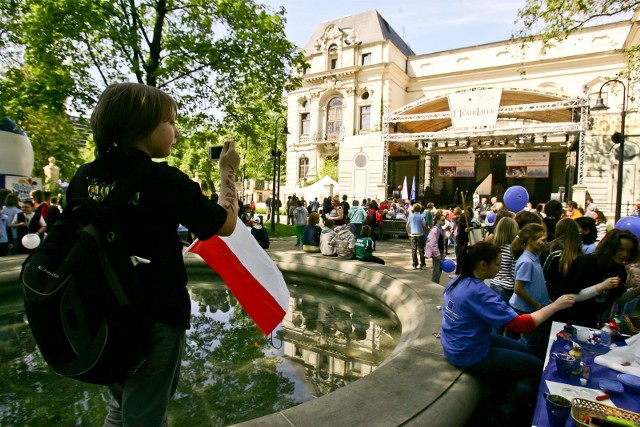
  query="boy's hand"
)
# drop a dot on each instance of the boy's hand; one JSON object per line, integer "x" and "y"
{"x": 565, "y": 301}
{"x": 229, "y": 157}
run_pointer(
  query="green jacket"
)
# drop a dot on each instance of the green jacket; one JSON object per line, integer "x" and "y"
{"x": 364, "y": 247}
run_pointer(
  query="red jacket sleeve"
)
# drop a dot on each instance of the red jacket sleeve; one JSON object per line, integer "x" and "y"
{"x": 522, "y": 324}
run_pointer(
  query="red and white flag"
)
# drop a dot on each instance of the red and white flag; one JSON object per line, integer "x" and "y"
{"x": 249, "y": 273}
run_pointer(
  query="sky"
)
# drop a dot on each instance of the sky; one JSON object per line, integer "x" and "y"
{"x": 428, "y": 26}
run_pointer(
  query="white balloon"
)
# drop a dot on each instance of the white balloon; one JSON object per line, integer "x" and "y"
{"x": 31, "y": 241}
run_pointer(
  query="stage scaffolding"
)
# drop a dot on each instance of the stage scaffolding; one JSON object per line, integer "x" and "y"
{"x": 521, "y": 127}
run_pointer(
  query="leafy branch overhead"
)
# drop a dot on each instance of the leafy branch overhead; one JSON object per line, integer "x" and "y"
{"x": 548, "y": 21}
{"x": 225, "y": 61}
{"x": 204, "y": 52}
{"x": 551, "y": 20}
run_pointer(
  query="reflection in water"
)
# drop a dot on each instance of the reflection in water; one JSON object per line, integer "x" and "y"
{"x": 333, "y": 341}
{"x": 230, "y": 371}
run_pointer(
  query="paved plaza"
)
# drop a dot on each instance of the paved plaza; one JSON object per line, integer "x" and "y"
{"x": 447, "y": 397}
{"x": 395, "y": 252}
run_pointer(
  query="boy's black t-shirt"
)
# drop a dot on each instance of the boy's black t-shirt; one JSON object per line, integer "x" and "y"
{"x": 167, "y": 198}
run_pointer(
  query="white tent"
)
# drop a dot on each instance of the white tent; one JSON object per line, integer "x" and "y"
{"x": 320, "y": 189}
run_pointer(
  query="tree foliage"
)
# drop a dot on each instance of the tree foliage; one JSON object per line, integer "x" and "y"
{"x": 226, "y": 62}
{"x": 548, "y": 21}
{"x": 551, "y": 20}
{"x": 209, "y": 54}
{"x": 35, "y": 99}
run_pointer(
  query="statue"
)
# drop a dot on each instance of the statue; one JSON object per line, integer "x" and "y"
{"x": 51, "y": 172}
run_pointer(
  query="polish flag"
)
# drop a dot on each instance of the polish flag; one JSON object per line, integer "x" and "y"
{"x": 249, "y": 273}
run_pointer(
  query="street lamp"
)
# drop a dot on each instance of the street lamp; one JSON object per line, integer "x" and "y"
{"x": 275, "y": 195}
{"x": 617, "y": 138}
{"x": 244, "y": 169}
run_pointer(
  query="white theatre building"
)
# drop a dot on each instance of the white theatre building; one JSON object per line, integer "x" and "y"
{"x": 453, "y": 118}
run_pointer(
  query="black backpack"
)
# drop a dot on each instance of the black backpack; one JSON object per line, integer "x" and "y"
{"x": 81, "y": 291}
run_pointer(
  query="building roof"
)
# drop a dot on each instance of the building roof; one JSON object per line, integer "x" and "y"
{"x": 370, "y": 26}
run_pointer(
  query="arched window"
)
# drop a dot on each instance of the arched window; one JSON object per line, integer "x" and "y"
{"x": 333, "y": 56}
{"x": 303, "y": 167}
{"x": 334, "y": 118}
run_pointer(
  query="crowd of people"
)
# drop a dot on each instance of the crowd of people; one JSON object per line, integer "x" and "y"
{"x": 337, "y": 228}
{"x": 543, "y": 263}
{"x": 33, "y": 215}
{"x": 551, "y": 262}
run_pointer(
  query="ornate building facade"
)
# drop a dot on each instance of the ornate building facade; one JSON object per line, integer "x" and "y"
{"x": 493, "y": 115}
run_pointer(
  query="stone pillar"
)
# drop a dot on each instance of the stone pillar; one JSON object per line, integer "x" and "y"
{"x": 382, "y": 192}
{"x": 328, "y": 189}
{"x": 579, "y": 194}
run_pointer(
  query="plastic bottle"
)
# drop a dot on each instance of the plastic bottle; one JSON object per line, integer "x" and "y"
{"x": 605, "y": 335}
{"x": 567, "y": 332}
{"x": 618, "y": 321}
{"x": 576, "y": 353}
{"x": 614, "y": 328}
{"x": 586, "y": 370}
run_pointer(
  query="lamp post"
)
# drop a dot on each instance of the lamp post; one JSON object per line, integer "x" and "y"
{"x": 617, "y": 138}
{"x": 279, "y": 164}
{"x": 244, "y": 168}
{"x": 275, "y": 195}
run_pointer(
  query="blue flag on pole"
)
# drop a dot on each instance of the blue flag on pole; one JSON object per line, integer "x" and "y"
{"x": 413, "y": 190}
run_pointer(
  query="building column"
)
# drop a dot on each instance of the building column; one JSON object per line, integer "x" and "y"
{"x": 579, "y": 194}
{"x": 428, "y": 174}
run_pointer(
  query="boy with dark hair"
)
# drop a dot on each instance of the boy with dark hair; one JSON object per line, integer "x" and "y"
{"x": 28, "y": 222}
{"x": 365, "y": 246}
{"x": 132, "y": 124}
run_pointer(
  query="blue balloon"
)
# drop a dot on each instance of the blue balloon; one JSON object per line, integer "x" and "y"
{"x": 447, "y": 265}
{"x": 631, "y": 223}
{"x": 516, "y": 198}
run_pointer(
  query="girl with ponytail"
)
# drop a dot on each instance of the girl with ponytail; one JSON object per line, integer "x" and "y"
{"x": 530, "y": 289}
{"x": 469, "y": 313}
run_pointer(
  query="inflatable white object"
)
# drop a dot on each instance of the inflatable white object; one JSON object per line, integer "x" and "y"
{"x": 31, "y": 241}
{"x": 16, "y": 149}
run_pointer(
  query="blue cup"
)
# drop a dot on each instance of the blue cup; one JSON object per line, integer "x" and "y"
{"x": 558, "y": 410}
{"x": 564, "y": 364}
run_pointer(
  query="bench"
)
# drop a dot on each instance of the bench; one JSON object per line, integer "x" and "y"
{"x": 394, "y": 228}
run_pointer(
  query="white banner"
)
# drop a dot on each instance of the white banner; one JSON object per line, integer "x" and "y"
{"x": 23, "y": 185}
{"x": 473, "y": 109}
{"x": 534, "y": 164}
{"x": 456, "y": 165}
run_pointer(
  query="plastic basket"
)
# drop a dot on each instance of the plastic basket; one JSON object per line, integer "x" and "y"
{"x": 582, "y": 407}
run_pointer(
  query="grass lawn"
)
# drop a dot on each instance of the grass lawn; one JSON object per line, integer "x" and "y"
{"x": 282, "y": 230}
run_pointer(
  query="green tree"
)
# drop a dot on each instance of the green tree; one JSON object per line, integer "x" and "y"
{"x": 330, "y": 167}
{"x": 549, "y": 21}
{"x": 227, "y": 62}
{"x": 35, "y": 99}
{"x": 554, "y": 20}
{"x": 9, "y": 36}
{"x": 211, "y": 55}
